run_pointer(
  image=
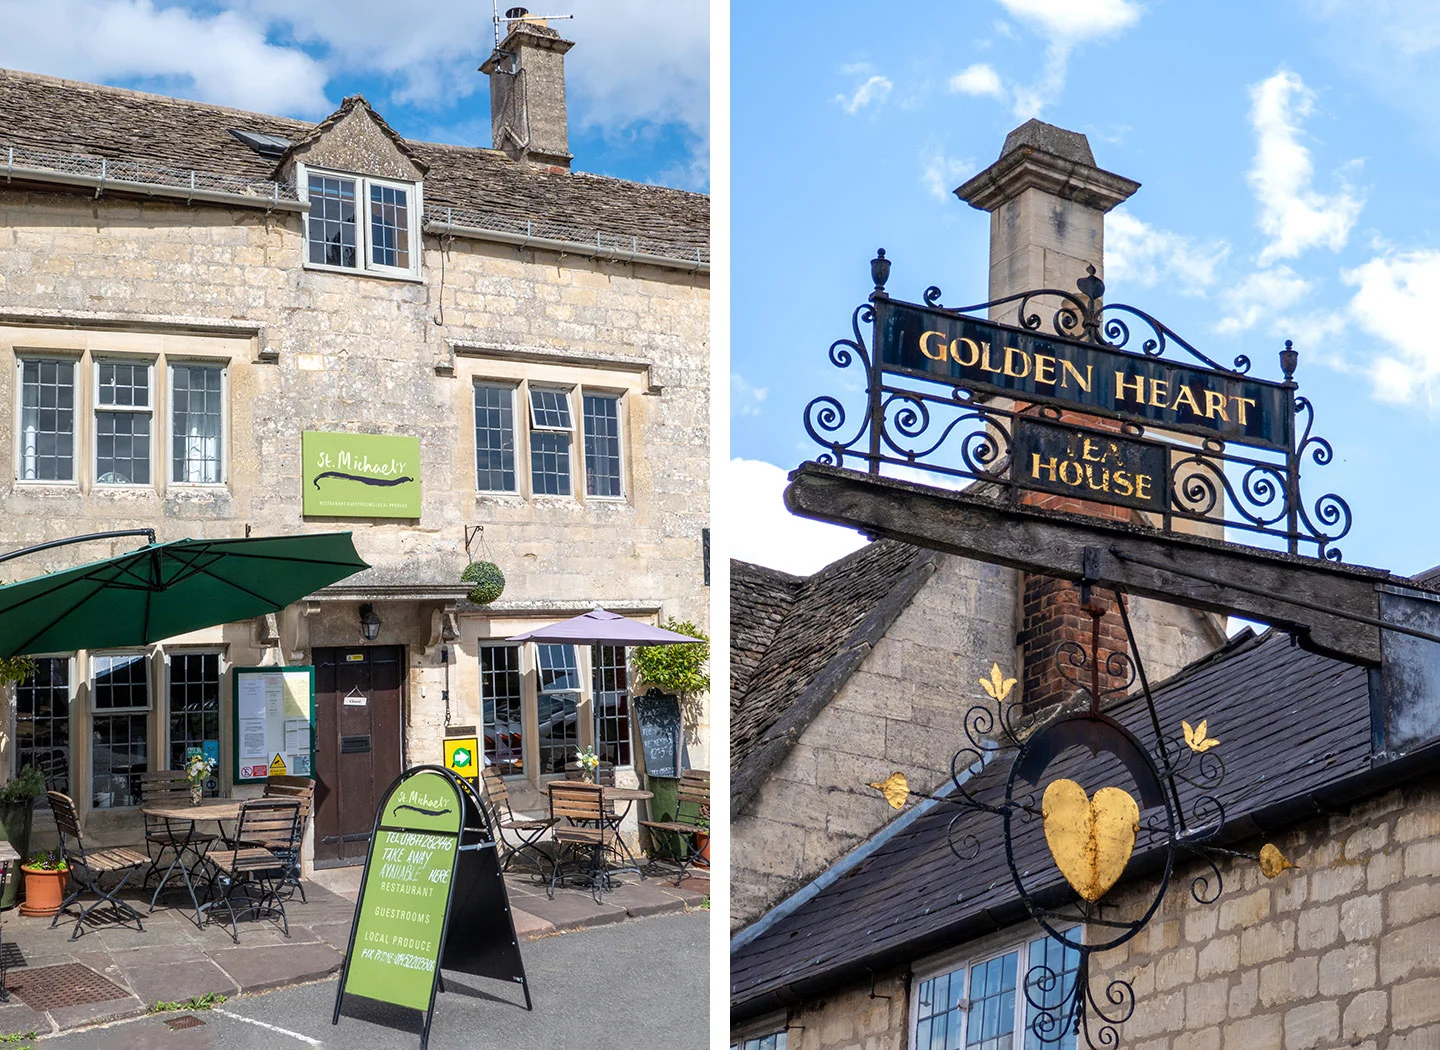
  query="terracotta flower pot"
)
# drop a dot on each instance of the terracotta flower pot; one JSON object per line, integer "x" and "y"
{"x": 702, "y": 846}
{"x": 44, "y": 890}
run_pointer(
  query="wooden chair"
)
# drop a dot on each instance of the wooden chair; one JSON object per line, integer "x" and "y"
{"x": 527, "y": 830}
{"x": 87, "y": 866}
{"x": 585, "y": 831}
{"x": 302, "y": 788}
{"x": 234, "y": 871}
{"x": 693, "y": 802}
{"x": 168, "y": 787}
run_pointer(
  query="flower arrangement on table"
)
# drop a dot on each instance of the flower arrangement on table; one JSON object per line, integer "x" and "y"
{"x": 198, "y": 769}
{"x": 589, "y": 762}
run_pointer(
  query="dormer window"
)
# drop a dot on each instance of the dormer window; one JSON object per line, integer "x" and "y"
{"x": 361, "y": 224}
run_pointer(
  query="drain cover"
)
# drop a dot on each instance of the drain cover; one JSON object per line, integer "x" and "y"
{"x": 51, "y": 987}
{"x": 186, "y": 1021}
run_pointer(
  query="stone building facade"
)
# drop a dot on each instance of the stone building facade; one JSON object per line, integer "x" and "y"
{"x": 543, "y": 334}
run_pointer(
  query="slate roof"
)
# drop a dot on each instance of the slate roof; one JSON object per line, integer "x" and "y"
{"x": 70, "y": 117}
{"x": 795, "y": 640}
{"x": 1292, "y": 727}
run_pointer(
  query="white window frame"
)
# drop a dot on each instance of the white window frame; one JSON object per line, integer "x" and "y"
{"x": 749, "y": 1034}
{"x": 363, "y": 234}
{"x": 98, "y": 361}
{"x": 967, "y": 958}
{"x": 620, "y": 423}
{"x": 521, "y": 449}
{"x": 577, "y": 469}
{"x": 169, "y": 437}
{"x": 144, "y": 654}
{"x": 78, "y": 417}
{"x": 166, "y": 656}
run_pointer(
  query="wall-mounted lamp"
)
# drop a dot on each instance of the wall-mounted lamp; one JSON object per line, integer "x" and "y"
{"x": 369, "y": 622}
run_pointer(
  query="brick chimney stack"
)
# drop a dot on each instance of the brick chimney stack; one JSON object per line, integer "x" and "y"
{"x": 527, "y": 92}
{"x": 1047, "y": 202}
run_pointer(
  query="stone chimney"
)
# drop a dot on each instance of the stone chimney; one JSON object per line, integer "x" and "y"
{"x": 527, "y": 92}
{"x": 1047, "y": 202}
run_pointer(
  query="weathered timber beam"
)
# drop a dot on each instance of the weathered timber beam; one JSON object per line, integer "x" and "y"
{"x": 1322, "y": 594}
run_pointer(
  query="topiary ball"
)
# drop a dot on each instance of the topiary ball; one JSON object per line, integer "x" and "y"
{"x": 489, "y": 581}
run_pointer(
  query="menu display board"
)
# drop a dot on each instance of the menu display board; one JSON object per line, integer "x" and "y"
{"x": 274, "y": 730}
{"x": 661, "y": 739}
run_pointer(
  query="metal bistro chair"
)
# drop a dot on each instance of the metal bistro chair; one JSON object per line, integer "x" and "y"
{"x": 87, "y": 866}
{"x": 302, "y": 788}
{"x": 233, "y": 872}
{"x": 693, "y": 803}
{"x": 587, "y": 832}
{"x": 528, "y": 830}
{"x": 168, "y": 787}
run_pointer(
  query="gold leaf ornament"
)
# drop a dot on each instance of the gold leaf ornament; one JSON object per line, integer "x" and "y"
{"x": 1196, "y": 738}
{"x": 1091, "y": 839}
{"x": 1272, "y": 861}
{"x": 895, "y": 788}
{"x": 997, "y": 685}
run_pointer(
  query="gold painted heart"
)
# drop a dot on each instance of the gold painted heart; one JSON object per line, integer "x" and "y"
{"x": 1090, "y": 839}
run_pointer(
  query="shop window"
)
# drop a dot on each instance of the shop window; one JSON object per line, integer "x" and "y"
{"x": 361, "y": 224}
{"x": 982, "y": 1005}
{"x": 602, "y": 445}
{"x": 47, "y": 420}
{"x": 494, "y": 438}
{"x": 550, "y": 434}
{"x": 196, "y": 423}
{"x": 503, "y": 708}
{"x": 194, "y": 715}
{"x": 120, "y": 698}
{"x": 612, "y": 704}
{"x": 42, "y": 721}
{"x": 558, "y": 706}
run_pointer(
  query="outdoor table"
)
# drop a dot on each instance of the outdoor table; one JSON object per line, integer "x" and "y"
{"x": 629, "y": 796}
{"x": 216, "y": 809}
{"x": 7, "y": 855}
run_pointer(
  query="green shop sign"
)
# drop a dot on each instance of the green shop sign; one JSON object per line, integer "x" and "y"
{"x": 360, "y": 475}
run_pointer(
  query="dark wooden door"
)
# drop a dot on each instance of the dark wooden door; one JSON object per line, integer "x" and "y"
{"x": 358, "y": 719}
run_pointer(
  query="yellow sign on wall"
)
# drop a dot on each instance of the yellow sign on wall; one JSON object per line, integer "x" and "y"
{"x": 462, "y": 756}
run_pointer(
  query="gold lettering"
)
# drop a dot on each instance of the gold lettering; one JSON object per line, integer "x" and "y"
{"x": 1123, "y": 485}
{"x": 1142, "y": 485}
{"x": 1104, "y": 485}
{"x": 974, "y": 352}
{"x": 1079, "y": 474}
{"x": 939, "y": 355}
{"x": 1089, "y": 447}
{"x": 1215, "y": 405}
{"x": 1010, "y": 351}
{"x": 1068, "y": 370}
{"x": 1036, "y": 466}
{"x": 1186, "y": 397}
{"x": 985, "y": 365}
{"x": 1240, "y": 403}
{"x": 1121, "y": 382}
{"x": 1044, "y": 369}
{"x": 1159, "y": 391}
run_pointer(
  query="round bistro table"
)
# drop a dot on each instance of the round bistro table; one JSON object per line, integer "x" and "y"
{"x": 219, "y": 810}
{"x": 629, "y": 796}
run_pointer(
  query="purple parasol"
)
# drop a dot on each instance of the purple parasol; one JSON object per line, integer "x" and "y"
{"x": 599, "y": 627}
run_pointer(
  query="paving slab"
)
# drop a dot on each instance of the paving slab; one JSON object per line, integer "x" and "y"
{"x": 652, "y": 898}
{"x": 158, "y": 981}
{"x": 18, "y": 1019}
{"x": 262, "y": 967}
{"x": 574, "y": 911}
{"x": 65, "y": 1017}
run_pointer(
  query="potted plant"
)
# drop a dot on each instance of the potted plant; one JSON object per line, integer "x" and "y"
{"x": 17, "y": 813}
{"x": 486, "y": 581}
{"x": 197, "y": 770}
{"x": 683, "y": 672}
{"x": 702, "y": 837}
{"x": 46, "y": 873}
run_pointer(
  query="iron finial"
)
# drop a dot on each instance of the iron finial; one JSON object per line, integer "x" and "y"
{"x": 1289, "y": 358}
{"x": 879, "y": 271}
{"x": 1090, "y": 286}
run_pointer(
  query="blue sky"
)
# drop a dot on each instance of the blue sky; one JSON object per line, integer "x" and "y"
{"x": 638, "y": 77}
{"x": 1289, "y": 155}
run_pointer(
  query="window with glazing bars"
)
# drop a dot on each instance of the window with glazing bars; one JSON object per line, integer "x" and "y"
{"x": 42, "y": 721}
{"x": 772, "y": 1041}
{"x": 122, "y": 423}
{"x": 389, "y": 226}
{"x": 494, "y": 438}
{"x": 602, "y": 445}
{"x": 194, "y": 708}
{"x": 502, "y": 708}
{"x": 332, "y": 221}
{"x": 612, "y": 704}
{"x": 558, "y": 704}
{"x": 550, "y": 435}
{"x": 120, "y": 692}
{"x": 47, "y": 420}
{"x": 196, "y": 425}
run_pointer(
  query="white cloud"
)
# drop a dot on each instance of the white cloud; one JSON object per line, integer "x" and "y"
{"x": 1293, "y": 215}
{"x": 1138, "y": 252}
{"x": 941, "y": 173}
{"x": 1065, "y": 25}
{"x": 1406, "y": 285}
{"x": 875, "y": 89}
{"x": 745, "y": 398}
{"x": 762, "y": 531}
{"x": 1262, "y": 294}
{"x": 222, "y": 58}
{"x": 978, "y": 79}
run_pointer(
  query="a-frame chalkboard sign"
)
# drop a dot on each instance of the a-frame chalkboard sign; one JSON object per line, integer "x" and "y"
{"x": 432, "y": 868}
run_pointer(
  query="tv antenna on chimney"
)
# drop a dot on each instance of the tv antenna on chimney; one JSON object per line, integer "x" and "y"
{"x": 517, "y": 14}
